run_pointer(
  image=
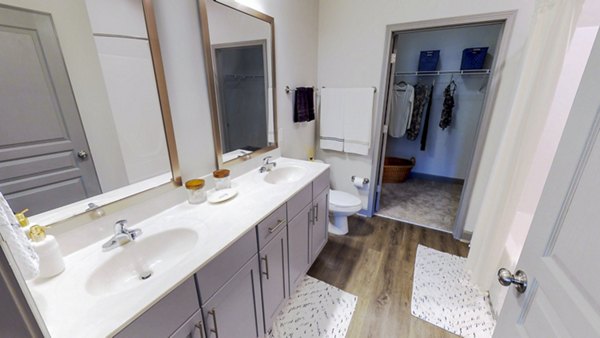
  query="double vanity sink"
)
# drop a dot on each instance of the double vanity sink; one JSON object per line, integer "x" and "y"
{"x": 102, "y": 292}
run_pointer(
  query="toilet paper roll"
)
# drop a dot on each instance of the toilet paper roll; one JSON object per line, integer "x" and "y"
{"x": 359, "y": 182}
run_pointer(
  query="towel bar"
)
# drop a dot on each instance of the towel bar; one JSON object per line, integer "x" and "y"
{"x": 374, "y": 88}
{"x": 289, "y": 90}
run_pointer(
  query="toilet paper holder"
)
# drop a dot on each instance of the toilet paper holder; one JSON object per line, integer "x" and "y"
{"x": 364, "y": 180}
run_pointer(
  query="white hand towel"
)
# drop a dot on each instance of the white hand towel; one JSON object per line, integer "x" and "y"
{"x": 20, "y": 247}
{"x": 331, "y": 133}
{"x": 358, "y": 119}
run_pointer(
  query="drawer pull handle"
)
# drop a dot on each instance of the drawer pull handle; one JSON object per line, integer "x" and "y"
{"x": 279, "y": 223}
{"x": 213, "y": 313}
{"x": 266, "y": 272}
{"x": 200, "y": 327}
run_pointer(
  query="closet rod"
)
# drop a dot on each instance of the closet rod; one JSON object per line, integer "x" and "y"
{"x": 449, "y": 72}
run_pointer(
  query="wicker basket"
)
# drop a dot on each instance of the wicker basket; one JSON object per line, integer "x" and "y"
{"x": 396, "y": 170}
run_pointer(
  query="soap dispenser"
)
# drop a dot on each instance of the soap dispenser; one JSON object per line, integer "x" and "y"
{"x": 46, "y": 246}
{"x": 23, "y": 221}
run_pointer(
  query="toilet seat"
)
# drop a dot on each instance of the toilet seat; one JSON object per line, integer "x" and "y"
{"x": 341, "y": 201}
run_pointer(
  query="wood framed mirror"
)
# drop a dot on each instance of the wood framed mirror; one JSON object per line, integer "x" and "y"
{"x": 86, "y": 118}
{"x": 239, "y": 52}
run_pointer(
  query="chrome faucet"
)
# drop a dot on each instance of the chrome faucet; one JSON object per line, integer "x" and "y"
{"x": 267, "y": 165}
{"x": 122, "y": 236}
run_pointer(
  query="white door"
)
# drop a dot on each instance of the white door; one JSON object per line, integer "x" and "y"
{"x": 562, "y": 251}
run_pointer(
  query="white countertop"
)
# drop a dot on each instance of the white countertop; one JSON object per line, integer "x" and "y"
{"x": 70, "y": 310}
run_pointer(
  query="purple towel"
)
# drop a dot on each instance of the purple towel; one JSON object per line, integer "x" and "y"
{"x": 304, "y": 104}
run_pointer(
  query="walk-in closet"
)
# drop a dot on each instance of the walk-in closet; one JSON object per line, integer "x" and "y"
{"x": 436, "y": 97}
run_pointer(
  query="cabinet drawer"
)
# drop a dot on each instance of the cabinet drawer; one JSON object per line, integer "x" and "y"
{"x": 270, "y": 226}
{"x": 320, "y": 183}
{"x": 220, "y": 269}
{"x": 166, "y": 316}
{"x": 299, "y": 201}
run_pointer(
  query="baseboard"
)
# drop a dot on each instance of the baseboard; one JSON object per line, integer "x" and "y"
{"x": 437, "y": 178}
{"x": 466, "y": 237}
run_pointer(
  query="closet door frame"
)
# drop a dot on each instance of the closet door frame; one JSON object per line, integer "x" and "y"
{"x": 507, "y": 19}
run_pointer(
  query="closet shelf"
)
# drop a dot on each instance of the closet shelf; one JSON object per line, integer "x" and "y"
{"x": 447, "y": 72}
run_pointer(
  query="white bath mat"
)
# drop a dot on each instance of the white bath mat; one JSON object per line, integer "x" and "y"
{"x": 444, "y": 296}
{"x": 316, "y": 309}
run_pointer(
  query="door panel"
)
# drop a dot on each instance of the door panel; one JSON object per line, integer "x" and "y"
{"x": 40, "y": 127}
{"x": 561, "y": 251}
{"x": 235, "y": 310}
{"x": 274, "y": 280}
{"x": 319, "y": 227}
{"x": 299, "y": 246}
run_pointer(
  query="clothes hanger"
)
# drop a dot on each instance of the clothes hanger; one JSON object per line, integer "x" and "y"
{"x": 452, "y": 86}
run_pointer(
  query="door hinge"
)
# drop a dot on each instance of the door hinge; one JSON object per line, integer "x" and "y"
{"x": 379, "y": 188}
{"x": 393, "y": 58}
{"x": 385, "y": 129}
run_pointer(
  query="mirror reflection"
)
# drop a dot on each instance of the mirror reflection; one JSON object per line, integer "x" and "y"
{"x": 242, "y": 69}
{"x": 54, "y": 153}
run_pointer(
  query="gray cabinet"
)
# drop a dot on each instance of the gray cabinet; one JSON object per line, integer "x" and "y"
{"x": 274, "y": 274}
{"x": 170, "y": 315}
{"x": 299, "y": 245}
{"x": 241, "y": 291}
{"x": 319, "y": 227}
{"x": 192, "y": 328}
{"x": 235, "y": 311}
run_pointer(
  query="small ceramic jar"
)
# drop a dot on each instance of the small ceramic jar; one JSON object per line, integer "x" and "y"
{"x": 196, "y": 193}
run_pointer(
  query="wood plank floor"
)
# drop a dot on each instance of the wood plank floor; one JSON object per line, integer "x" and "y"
{"x": 375, "y": 262}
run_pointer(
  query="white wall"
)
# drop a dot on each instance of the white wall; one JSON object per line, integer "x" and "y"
{"x": 449, "y": 151}
{"x": 351, "y": 47}
{"x": 128, "y": 72}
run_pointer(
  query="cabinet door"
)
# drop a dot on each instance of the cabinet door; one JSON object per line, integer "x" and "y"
{"x": 166, "y": 316}
{"x": 193, "y": 328}
{"x": 273, "y": 259}
{"x": 299, "y": 245}
{"x": 319, "y": 224}
{"x": 235, "y": 310}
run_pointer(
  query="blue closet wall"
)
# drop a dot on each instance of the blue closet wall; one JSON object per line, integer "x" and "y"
{"x": 448, "y": 151}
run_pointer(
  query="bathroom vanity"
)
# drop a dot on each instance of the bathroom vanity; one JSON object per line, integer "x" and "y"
{"x": 217, "y": 270}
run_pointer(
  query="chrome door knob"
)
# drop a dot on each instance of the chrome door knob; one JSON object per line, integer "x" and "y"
{"x": 82, "y": 154}
{"x": 519, "y": 279}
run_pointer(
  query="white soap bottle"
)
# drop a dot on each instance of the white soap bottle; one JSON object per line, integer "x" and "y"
{"x": 46, "y": 246}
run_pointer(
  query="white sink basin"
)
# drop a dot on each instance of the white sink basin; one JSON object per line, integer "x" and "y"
{"x": 141, "y": 260}
{"x": 287, "y": 174}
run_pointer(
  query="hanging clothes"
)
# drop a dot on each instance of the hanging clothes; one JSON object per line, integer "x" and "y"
{"x": 448, "y": 105}
{"x": 420, "y": 103}
{"x": 426, "y": 126}
{"x": 401, "y": 109}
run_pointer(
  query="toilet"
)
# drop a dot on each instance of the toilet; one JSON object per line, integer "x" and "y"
{"x": 342, "y": 205}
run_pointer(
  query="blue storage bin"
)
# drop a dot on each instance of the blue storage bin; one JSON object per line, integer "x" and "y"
{"x": 428, "y": 60}
{"x": 473, "y": 58}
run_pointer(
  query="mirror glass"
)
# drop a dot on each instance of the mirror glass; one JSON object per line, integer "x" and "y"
{"x": 74, "y": 150}
{"x": 241, "y": 67}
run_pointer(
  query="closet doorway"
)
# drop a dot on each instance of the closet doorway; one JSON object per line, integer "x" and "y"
{"x": 437, "y": 93}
